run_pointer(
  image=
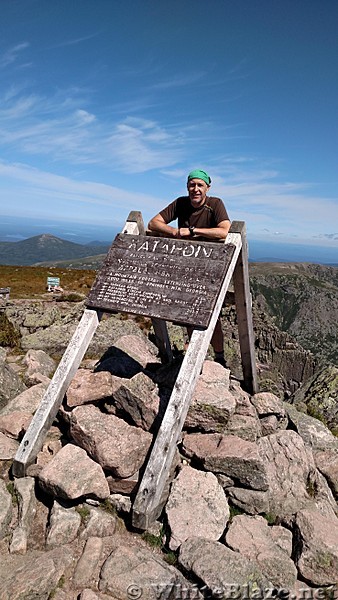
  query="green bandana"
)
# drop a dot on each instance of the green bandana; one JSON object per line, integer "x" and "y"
{"x": 198, "y": 174}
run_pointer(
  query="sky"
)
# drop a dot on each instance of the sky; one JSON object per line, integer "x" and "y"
{"x": 106, "y": 105}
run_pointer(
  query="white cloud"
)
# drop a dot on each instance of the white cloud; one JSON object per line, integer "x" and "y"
{"x": 12, "y": 54}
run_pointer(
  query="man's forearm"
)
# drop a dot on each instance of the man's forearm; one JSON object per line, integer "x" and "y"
{"x": 161, "y": 227}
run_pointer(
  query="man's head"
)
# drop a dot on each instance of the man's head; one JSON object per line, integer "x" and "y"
{"x": 198, "y": 185}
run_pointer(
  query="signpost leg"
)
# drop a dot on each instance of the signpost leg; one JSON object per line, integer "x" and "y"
{"x": 51, "y": 402}
{"x": 244, "y": 312}
{"x": 162, "y": 338}
{"x": 147, "y": 505}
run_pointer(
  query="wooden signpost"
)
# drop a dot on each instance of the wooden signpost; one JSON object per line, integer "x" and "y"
{"x": 167, "y": 280}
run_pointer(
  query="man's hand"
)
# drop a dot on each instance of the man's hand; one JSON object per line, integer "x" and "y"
{"x": 184, "y": 232}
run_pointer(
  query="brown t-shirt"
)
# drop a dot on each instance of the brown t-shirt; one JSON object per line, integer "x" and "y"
{"x": 209, "y": 215}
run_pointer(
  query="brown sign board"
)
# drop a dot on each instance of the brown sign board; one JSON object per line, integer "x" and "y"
{"x": 174, "y": 280}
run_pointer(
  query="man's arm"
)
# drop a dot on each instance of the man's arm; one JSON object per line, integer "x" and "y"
{"x": 159, "y": 225}
{"x": 214, "y": 233}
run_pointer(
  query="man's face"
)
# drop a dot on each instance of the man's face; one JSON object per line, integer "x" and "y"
{"x": 197, "y": 190}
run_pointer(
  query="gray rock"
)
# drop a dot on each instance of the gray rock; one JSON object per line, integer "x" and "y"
{"x": 251, "y": 501}
{"x": 72, "y": 474}
{"x": 53, "y": 340}
{"x": 15, "y": 424}
{"x": 288, "y": 467}
{"x": 228, "y": 454}
{"x": 244, "y": 426}
{"x": 89, "y": 387}
{"x": 225, "y": 572}
{"x": 37, "y": 361}
{"x": 108, "y": 335}
{"x": 5, "y": 509}
{"x": 130, "y": 570}
{"x": 64, "y": 525}
{"x": 115, "y": 445}
{"x": 139, "y": 399}
{"x": 268, "y": 404}
{"x": 317, "y": 537}
{"x": 28, "y": 401}
{"x": 87, "y": 567}
{"x": 34, "y": 575}
{"x": 197, "y": 507}
{"x": 313, "y": 432}
{"x": 10, "y": 384}
{"x": 327, "y": 463}
{"x": 100, "y": 524}
{"x": 8, "y": 447}
{"x": 27, "y": 508}
{"x": 252, "y": 538}
{"x": 212, "y": 403}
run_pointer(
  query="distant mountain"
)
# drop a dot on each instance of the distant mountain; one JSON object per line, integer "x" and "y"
{"x": 302, "y": 298}
{"x": 42, "y": 248}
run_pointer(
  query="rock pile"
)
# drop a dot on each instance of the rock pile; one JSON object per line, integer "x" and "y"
{"x": 250, "y": 509}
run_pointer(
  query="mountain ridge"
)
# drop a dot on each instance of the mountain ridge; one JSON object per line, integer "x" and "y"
{"x": 44, "y": 247}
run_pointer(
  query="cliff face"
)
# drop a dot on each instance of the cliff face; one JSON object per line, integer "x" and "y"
{"x": 282, "y": 364}
{"x": 302, "y": 299}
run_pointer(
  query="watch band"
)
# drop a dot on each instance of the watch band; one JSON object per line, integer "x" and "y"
{"x": 191, "y": 230}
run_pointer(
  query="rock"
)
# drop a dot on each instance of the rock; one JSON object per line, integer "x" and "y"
{"x": 38, "y": 317}
{"x": 197, "y": 507}
{"x": 8, "y": 447}
{"x": 136, "y": 570}
{"x": 108, "y": 334}
{"x": 320, "y": 396}
{"x": 5, "y": 509}
{"x": 244, "y": 426}
{"x": 99, "y": 524}
{"x": 313, "y": 432}
{"x": 288, "y": 467}
{"x": 53, "y": 340}
{"x": 27, "y": 508}
{"x": 89, "y": 387}
{"x": 139, "y": 348}
{"x": 28, "y": 401}
{"x": 115, "y": 445}
{"x": 128, "y": 485}
{"x": 252, "y": 538}
{"x": 212, "y": 404}
{"x": 15, "y": 424}
{"x": 138, "y": 399}
{"x": 267, "y": 404}
{"x": 317, "y": 537}
{"x": 10, "y": 384}
{"x": 88, "y": 565}
{"x": 72, "y": 474}
{"x": 251, "y": 501}
{"x": 224, "y": 572}
{"x": 38, "y": 362}
{"x": 327, "y": 463}
{"x": 35, "y": 575}
{"x": 120, "y": 503}
{"x": 228, "y": 454}
{"x": 64, "y": 525}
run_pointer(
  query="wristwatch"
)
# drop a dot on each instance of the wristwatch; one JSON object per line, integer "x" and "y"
{"x": 191, "y": 230}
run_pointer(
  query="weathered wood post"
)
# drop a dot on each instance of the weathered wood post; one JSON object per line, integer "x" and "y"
{"x": 244, "y": 312}
{"x": 51, "y": 402}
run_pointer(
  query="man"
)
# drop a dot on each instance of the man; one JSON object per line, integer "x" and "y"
{"x": 199, "y": 216}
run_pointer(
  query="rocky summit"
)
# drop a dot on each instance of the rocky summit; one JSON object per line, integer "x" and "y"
{"x": 250, "y": 506}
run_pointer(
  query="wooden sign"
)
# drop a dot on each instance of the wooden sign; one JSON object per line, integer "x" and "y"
{"x": 174, "y": 280}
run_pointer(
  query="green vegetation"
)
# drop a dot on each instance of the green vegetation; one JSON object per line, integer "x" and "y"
{"x": 83, "y": 511}
{"x": 11, "y": 489}
{"x": 30, "y": 282}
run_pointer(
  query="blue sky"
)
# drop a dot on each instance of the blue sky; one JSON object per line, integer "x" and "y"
{"x": 106, "y": 105}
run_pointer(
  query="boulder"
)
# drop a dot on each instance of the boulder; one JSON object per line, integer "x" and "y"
{"x": 110, "y": 441}
{"x": 136, "y": 570}
{"x": 25, "y": 494}
{"x": 89, "y": 387}
{"x": 228, "y": 454}
{"x": 138, "y": 399}
{"x": 72, "y": 474}
{"x": 197, "y": 507}
{"x": 38, "y": 362}
{"x": 288, "y": 468}
{"x": 223, "y": 572}
{"x": 317, "y": 547}
{"x": 313, "y": 431}
{"x": 212, "y": 403}
{"x": 28, "y": 401}
{"x": 5, "y": 509}
{"x": 254, "y": 539}
{"x": 15, "y": 424}
{"x": 63, "y": 526}
{"x": 10, "y": 384}
{"x": 327, "y": 463}
{"x": 8, "y": 447}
